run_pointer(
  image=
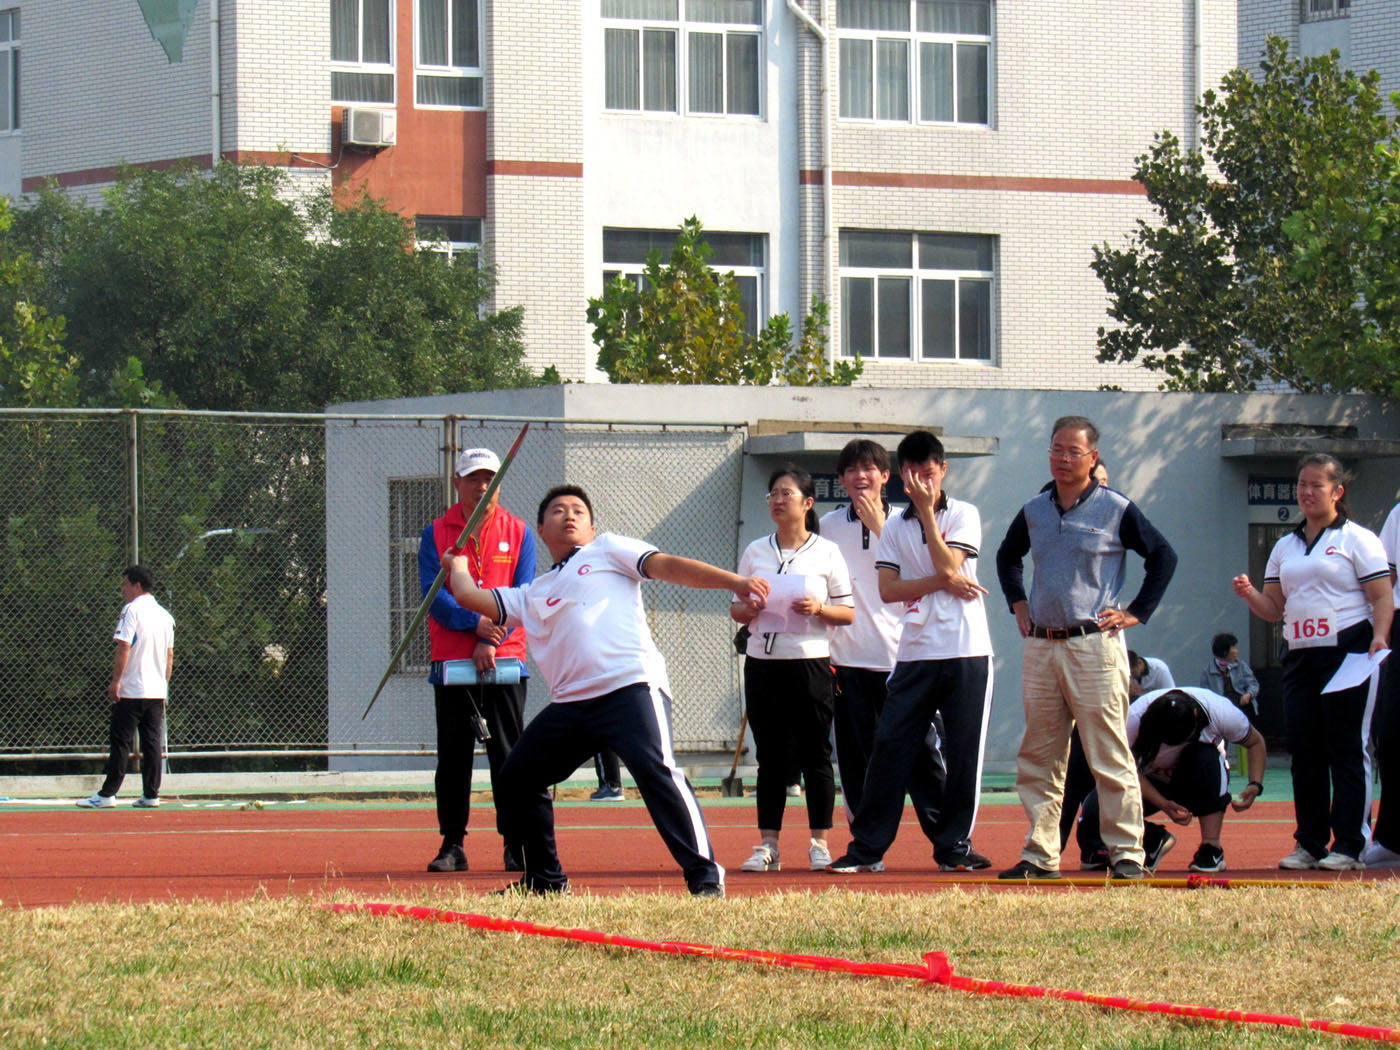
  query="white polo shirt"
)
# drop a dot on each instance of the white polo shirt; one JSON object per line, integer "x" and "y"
{"x": 872, "y": 640}
{"x": 150, "y": 631}
{"x": 1330, "y": 575}
{"x": 1158, "y": 675}
{"x": 1390, "y": 542}
{"x": 585, "y": 621}
{"x": 1225, "y": 723}
{"x": 828, "y": 580}
{"x": 937, "y": 626}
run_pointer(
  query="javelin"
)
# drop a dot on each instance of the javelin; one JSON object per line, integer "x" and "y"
{"x": 471, "y": 525}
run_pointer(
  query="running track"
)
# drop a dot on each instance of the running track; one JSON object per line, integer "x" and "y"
{"x": 63, "y": 855}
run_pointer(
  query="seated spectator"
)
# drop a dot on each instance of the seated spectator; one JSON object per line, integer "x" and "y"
{"x": 1147, "y": 674}
{"x": 1176, "y": 735}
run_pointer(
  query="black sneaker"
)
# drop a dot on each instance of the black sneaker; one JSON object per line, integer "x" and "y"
{"x": 511, "y": 859}
{"x": 969, "y": 861}
{"x": 1095, "y": 861}
{"x": 1208, "y": 858}
{"x": 525, "y": 889}
{"x": 1157, "y": 842}
{"x": 845, "y": 865}
{"x": 1128, "y": 871}
{"x": 1027, "y": 870}
{"x": 449, "y": 858}
{"x": 707, "y": 889}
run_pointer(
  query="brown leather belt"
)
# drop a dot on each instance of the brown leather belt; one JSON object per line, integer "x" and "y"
{"x": 1059, "y": 634}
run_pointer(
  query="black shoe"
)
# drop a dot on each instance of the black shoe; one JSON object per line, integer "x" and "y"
{"x": 707, "y": 889}
{"x": 1128, "y": 871}
{"x": 538, "y": 889}
{"x": 449, "y": 858}
{"x": 1208, "y": 858}
{"x": 1027, "y": 870}
{"x": 969, "y": 861}
{"x": 512, "y": 860}
{"x": 1096, "y": 861}
{"x": 1157, "y": 842}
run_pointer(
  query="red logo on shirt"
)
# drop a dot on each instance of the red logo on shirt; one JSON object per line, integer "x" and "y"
{"x": 552, "y": 602}
{"x": 1331, "y": 550}
{"x": 584, "y": 570}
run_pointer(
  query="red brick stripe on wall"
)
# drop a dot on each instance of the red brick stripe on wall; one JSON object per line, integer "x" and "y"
{"x": 548, "y": 168}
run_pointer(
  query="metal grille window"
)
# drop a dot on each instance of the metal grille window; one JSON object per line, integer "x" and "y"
{"x": 452, "y": 236}
{"x": 715, "y": 49}
{"x": 362, "y": 51}
{"x": 449, "y": 72}
{"x": 1319, "y": 10}
{"x": 917, "y": 296}
{"x": 9, "y": 70}
{"x": 413, "y": 503}
{"x": 625, "y": 252}
{"x": 925, "y": 61}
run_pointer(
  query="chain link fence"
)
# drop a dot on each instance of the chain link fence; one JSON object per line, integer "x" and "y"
{"x": 286, "y": 548}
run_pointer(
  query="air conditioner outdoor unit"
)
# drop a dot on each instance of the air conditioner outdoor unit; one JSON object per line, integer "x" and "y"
{"x": 370, "y": 127}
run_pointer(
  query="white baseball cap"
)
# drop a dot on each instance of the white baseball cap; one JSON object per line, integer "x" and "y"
{"x": 473, "y": 459}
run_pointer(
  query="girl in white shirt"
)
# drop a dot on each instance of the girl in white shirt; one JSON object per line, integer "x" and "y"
{"x": 787, "y": 673}
{"x": 1329, "y": 583}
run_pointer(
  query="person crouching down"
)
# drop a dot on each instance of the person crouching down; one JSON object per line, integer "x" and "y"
{"x": 1176, "y": 735}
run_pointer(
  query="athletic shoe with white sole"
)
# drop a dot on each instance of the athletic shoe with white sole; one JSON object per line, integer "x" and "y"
{"x": 765, "y": 858}
{"x": 1335, "y": 861}
{"x": 1299, "y": 860}
{"x": 846, "y": 866}
{"x": 1157, "y": 842}
{"x": 1208, "y": 859}
{"x": 96, "y": 801}
{"x": 607, "y": 794}
{"x": 1377, "y": 856}
{"x": 147, "y": 803}
{"x": 819, "y": 856}
{"x": 969, "y": 861}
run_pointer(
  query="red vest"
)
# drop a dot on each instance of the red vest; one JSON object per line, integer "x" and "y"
{"x": 493, "y": 565}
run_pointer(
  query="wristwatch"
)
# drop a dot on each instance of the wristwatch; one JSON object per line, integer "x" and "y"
{"x": 1256, "y": 784}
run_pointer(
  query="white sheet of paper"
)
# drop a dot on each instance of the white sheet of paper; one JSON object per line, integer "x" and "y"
{"x": 1355, "y": 669}
{"x": 777, "y": 616}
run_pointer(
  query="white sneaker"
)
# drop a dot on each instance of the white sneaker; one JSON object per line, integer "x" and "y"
{"x": 1299, "y": 860}
{"x": 1377, "y": 856}
{"x": 1335, "y": 861}
{"x": 96, "y": 801}
{"x": 147, "y": 803}
{"x": 765, "y": 858}
{"x": 818, "y": 855}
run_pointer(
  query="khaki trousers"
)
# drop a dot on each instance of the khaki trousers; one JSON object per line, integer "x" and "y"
{"x": 1084, "y": 681}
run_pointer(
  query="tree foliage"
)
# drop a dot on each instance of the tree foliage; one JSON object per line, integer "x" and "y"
{"x": 1209, "y": 295}
{"x": 684, "y": 324}
{"x": 35, "y": 370}
{"x": 224, "y": 290}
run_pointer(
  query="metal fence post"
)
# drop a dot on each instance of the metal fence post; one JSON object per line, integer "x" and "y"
{"x": 133, "y": 473}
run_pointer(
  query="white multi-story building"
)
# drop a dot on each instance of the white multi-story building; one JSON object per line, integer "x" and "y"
{"x": 938, "y": 170}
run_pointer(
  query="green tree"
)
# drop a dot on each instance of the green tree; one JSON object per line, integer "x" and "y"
{"x": 1208, "y": 294}
{"x": 35, "y": 370}
{"x": 225, "y": 291}
{"x": 684, "y": 324}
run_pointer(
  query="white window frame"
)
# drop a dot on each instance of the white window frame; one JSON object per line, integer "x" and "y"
{"x": 9, "y": 48}
{"x": 452, "y": 248}
{"x": 423, "y": 70}
{"x": 916, "y": 274}
{"x": 635, "y": 271}
{"x": 681, "y": 29}
{"x": 912, "y": 42}
{"x": 373, "y": 68}
{"x": 1322, "y": 10}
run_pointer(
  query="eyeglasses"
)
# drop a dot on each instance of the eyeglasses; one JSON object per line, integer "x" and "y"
{"x": 1056, "y": 452}
{"x": 779, "y": 495}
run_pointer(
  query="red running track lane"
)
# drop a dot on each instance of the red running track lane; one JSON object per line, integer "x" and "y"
{"x": 59, "y": 857}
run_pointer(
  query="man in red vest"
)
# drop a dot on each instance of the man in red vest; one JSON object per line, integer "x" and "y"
{"x": 501, "y": 553}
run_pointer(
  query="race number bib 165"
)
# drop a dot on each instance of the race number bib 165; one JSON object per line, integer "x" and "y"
{"x": 1310, "y": 628}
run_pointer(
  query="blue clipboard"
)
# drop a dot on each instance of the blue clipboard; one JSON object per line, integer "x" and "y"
{"x": 463, "y": 672}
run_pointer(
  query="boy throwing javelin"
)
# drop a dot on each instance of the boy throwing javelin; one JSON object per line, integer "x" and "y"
{"x": 587, "y": 630}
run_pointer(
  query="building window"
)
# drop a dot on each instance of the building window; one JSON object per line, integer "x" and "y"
{"x": 625, "y": 253}
{"x": 452, "y": 236}
{"x": 1318, "y": 10}
{"x": 917, "y": 296}
{"x": 715, "y": 50}
{"x": 449, "y": 54}
{"x": 9, "y": 70}
{"x": 924, "y": 61}
{"x": 413, "y": 502}
{"x": 362, "y": 51}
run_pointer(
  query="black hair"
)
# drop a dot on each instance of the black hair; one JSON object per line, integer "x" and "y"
{"x": 805, "y": 485}
{"x": 1078, "y": 423}
{"x": 1173, "y": 718}
{"x": 1222, "y": 643}
{"x": 919, "y": 446}
{"x": 862, "y": 450}
{"x": 1133, "y": 660}
{"x": 1336, "y": 473}
{"x": 563, "y": 490}
{"x": 140, "y": 576}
